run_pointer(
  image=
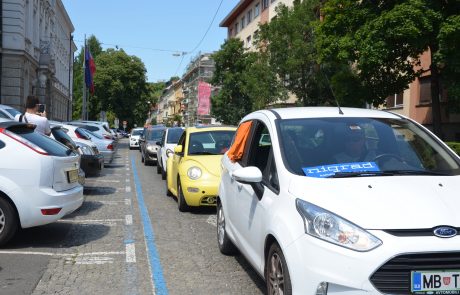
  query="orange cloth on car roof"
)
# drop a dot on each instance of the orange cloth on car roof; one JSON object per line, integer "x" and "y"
{"x": 235, "y": 152}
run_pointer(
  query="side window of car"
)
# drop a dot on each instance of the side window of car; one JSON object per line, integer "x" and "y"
{"x": 261, "y": 156}
{"x": 2, "y": 115}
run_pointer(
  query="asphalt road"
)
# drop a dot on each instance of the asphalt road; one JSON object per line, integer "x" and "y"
{"x": 127, "y": 238}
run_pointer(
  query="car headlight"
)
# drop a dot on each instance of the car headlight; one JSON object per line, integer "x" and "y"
{"x": 194, "y": 173}
{"x": 169, "y": 153}
{"x": 151, "y": 148}
{"x": 329, "y": 227}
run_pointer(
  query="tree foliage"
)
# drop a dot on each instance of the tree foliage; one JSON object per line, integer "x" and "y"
{"x": 245, "y": 83}
{"x": 384, "y": 40}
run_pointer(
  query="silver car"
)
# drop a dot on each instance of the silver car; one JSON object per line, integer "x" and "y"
{"x": 105, "y": 146}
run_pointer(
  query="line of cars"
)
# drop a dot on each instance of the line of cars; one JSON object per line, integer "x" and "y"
{"x": 328, "y": 200}
{"x": 42, "y": 177}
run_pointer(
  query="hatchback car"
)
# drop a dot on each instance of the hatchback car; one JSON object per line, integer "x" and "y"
{"x": 8, "y": 112}
{"x": 38, "y": 179}
{"x": 149, "y": 146}
{"x": 193, "y": 171}
{"x": 166, "y": 148}
{"x": 134, "y": 137}
{"x": 358, "y": 202}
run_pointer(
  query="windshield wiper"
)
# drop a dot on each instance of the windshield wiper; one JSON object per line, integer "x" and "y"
{"x": 361, "y": 174}
{"x": 416, "y": 172}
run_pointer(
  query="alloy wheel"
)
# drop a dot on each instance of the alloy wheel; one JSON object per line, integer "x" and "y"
{"x": 275, "y": 275}
{"x": 220, "y": 225}
{"x": 2, "y": 221}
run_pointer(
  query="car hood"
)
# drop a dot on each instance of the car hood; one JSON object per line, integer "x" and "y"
{"x": 385, "y": 202}
{"x": 209, "y": 162}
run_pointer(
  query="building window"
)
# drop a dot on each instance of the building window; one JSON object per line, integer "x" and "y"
{"x": 395, "y": 100}
{"x": 248, "y": 41}
{"x": 249, "y": 16}
{"x": 256, "y": 33}
{"x": 256, "y": 10}
{"x": 230, "y": 32}
{"x": 236, "y": 28}
{"x": 264, "y": 4}
{"x": 425, "y": 89}
{"x": 243, "y": 22}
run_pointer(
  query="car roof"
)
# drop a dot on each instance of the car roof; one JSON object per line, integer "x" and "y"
{"x": 327, "y": 112}
{"x": 210, "y": 128}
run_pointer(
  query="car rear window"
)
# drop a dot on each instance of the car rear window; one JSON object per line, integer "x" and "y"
{"x": 82, "y": 133}
{"x": 13, "y": 112}
{"x": 61, "y": 136}
{"x": 51, "y": 146}
{"x": 91, "y": 128}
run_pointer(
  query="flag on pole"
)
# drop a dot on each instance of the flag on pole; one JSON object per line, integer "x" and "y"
{"x": 90, "y": 69}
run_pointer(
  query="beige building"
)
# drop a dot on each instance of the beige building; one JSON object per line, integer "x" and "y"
{"x": 169, "y": 105}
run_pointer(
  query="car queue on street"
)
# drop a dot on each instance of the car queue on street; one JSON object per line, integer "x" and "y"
{"x": 326, "y": 200}
{"x": 52, "y": 169}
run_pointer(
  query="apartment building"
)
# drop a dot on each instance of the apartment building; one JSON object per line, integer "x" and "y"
{"x": 244, "y": 19}
{"x": 37, "y": 55}
{"x": 169, "y": 104}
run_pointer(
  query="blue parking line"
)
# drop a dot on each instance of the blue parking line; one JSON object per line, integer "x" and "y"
{"x": 154, "y": 259}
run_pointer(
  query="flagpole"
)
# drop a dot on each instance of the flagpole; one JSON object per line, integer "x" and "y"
{"x": 83, "y": 105}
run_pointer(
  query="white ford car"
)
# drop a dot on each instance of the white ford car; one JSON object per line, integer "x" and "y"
{"x": 364, "y": 202}
{"x": 167, "y": 144}
{"x": 38, "y": 179}
{"x": 134, "y": 137}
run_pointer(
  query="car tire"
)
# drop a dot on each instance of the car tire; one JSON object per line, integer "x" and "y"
{"x": 181, "y": 203}
{"x": 226, "y": 246}
{"x": 163, "y": 174}
{"x": 158, "y": 169}
{"x": 168, "y": 192}
{"x": 277, "y": 275}
{"x": 142, "y": 158}
{"x": 8, "y": 221}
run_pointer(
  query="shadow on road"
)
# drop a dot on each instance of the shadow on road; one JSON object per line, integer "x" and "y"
{"x": 85, "y": 209}
{"x": 258, "y": 281}
{"x": 99, "y": 190}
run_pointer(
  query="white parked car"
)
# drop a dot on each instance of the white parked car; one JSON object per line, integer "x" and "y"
{"x": 8, "y": 112}
{"x": 364, "y": 202}
{"x": 105, "y": 146}
{"x": 167, "y": 144}
{"x": 134, "y": 137}
{"x": 38, "y": 179}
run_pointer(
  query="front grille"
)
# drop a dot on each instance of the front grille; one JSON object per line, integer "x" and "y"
{"x": 421, "y": 232}
{"x": 394, "y": 276}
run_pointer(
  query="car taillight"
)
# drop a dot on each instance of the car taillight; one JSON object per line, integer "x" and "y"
{"x": 107, "y": 136}
{"x": 24, "y": 141}
{"x": 52, "y": 211}
{"x": 79, "y": 135}
{"x": 110, "y": 147}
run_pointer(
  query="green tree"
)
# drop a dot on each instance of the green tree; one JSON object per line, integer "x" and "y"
{"x": 383, "y": 40}
{"x": 120, "y": 83}
{"x": 245, "y": 83}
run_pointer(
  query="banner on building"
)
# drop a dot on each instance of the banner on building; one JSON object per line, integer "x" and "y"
{"x": 204, "y": 98}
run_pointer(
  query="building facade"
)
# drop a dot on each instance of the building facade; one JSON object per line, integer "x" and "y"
{"x": 169, "y": 104}
{"x": 37, "y": 55}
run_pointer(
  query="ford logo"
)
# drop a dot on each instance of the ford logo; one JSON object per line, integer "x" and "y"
{"x": 445, "y": 232}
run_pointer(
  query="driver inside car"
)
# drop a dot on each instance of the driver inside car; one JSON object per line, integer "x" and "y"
{"x": 354, "y": 147}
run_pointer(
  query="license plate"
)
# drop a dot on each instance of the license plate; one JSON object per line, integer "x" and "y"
{"x": 72, "y": 175}
{"x": 435, "y": 282}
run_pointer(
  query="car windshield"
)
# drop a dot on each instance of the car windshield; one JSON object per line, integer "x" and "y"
{"x": 344, "y": 147}
{"x": 155, "y": 134}
{"x": 210, "y": 142}
{"x": 174, "y": 134}
{"x": 137, "y": 132}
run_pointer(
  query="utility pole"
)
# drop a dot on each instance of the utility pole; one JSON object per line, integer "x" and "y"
{"x": 83, "y": 105}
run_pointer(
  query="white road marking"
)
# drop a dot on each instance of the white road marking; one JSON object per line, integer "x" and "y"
{"x": 111, "y": 202}
{"x": 104, "y": 180}
{"x": 110, "y": 222}
{"x": 212, "y": 220}
{"x": 130, "y": 253}
{"x": 127, "y": 169}
{"x": 61, "y": 254}
{"x": 128, "y": 202}
{"x": 128, "y": 180}
{"x": 88, "y": 260}
{"x": 128, "y": 219}
{"x": 128, "y": 189}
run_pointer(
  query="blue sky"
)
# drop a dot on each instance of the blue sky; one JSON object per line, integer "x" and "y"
{"x": 142, "y": 26}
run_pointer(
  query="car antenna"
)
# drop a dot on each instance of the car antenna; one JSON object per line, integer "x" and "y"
{"x": 332, "y": 90}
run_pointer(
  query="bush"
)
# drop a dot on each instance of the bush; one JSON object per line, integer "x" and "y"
{"x": 455, "y": 146}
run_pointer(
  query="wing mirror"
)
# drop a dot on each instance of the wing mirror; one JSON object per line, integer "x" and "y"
{"x": 178, "y": 149}
{"x": 250, "y": 175}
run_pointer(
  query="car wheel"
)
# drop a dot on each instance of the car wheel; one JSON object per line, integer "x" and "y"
{"x": 181, "y": 203}
{"x": 142, "y": 158}
{"x": 163, "y": 174}
{"x": 168, "y": 192}
{"x": 8, "y": 221}
{"x": 158, "y": 169}
{"x": 226, "y": 246}
{"x": 276, "y": 272}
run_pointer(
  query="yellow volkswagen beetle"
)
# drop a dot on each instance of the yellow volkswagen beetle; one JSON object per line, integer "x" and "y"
{"x": 193, "y": 172}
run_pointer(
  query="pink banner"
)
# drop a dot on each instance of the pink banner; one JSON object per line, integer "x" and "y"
{"x": 204, "y": 98}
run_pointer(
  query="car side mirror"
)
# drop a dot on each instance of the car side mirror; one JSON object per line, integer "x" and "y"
{"x": 250, "y": 175}
{"x": 178, "y": 149}
{"x": 158, "y": 143}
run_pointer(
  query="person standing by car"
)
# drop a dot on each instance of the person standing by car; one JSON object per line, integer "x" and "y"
{"x": 32, "y": 115}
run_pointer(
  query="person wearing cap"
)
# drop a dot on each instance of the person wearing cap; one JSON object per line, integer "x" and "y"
{"x": 31, "y": 115}
{"x": 354, "y": 149}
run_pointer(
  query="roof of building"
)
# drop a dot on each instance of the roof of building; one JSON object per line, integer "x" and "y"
{"x": 236, "y": 11}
